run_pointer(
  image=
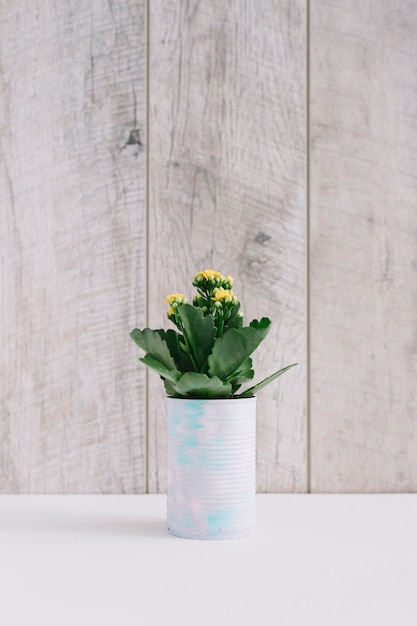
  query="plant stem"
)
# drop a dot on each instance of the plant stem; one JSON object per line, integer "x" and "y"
{"x": 190, "y": 353}
{"x": 187, "y": 343}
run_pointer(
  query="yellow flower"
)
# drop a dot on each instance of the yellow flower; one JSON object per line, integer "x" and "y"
{"x": 211, "y": 276}
{"x": 210, "y": 279}
{"x": 225, "y": 296}
{"x": 174, "y": 300}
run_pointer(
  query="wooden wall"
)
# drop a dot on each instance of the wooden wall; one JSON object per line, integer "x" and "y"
{"x": 143, "y": 141}
{"x": 363, "y": 245}
{"x": 73, "y": 246}
{"x": 227, "y": 189}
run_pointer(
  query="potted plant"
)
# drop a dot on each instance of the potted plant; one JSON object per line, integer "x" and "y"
{"x": 211, "y": 421}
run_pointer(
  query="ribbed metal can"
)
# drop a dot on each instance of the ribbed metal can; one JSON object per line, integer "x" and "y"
{"x": 211, "y": 468}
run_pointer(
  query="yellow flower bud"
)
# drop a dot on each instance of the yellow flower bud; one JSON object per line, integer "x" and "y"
{"x": 229, "y": 282}
{"x": 224, "y": 296}
{"x": 176, "y": 299}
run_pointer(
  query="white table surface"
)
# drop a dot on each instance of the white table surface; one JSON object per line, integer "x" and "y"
{"x": 315, "y": 559}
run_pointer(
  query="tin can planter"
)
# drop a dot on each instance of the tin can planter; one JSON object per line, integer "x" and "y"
{"x": 211, "y": 468}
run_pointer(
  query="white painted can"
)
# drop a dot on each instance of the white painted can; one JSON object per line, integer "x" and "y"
{"x": 211, "y": 468}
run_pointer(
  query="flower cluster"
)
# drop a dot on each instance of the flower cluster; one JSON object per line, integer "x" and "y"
{"x": 174, "y": 300}
{"x": 210, "y": 280}
{"x": 215, "y": 297}
{"x": 224, "y": 297}
{"x": 209, "y": 355}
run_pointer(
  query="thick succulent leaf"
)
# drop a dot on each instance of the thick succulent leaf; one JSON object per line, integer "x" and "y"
{"x": 194, "y": 385}
{"x": 264, "y": 324}
{"x": 199, "y": 333}
{"x": 170, "y": 389}
{"x": 252, "y": 390}
{"x": 154, "y": 345}
{"x": 139, "y": 338}
{"x": 236, "y": 345}
{"x": 182, "y": 360}
{"x": 244, "y": 373}
{"x": 159, "y": 368}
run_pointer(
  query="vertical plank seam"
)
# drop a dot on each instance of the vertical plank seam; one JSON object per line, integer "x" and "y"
{"x": 147, "y": 229}
{"x": 308, "y": 285}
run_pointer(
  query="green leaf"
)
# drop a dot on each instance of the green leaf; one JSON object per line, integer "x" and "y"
{"x": 231, "y": 350}
{"x": 153, "y": 344}
{"x": 170, "y": 389}
{"x": 195, "y": 385}
{"x": 264, "y": 324}
{"x": 158, "y": 356}
{"x": 243, "y": 374}
{"x": 139, "y": 338}
{"x": 252, "y": 390}
{"x": 199, "y": 333}
{"x": 162, "y": 370}
{"x": 176, "y": 348}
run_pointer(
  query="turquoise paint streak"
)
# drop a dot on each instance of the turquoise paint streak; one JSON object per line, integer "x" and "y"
{"x": 183, "y": 422}
{"x": 189, "y": 414}
{"x": 218, "y": 521}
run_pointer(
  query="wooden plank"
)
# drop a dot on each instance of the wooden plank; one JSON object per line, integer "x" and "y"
{"x": 227, "y": 190}
{"x": 363, "y": 246}
{"x": 72, "y": 240}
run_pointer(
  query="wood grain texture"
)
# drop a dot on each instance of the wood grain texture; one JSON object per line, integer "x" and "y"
{"x": 363, "y": 246}
{"x": 227, "y": 167}
{"x": 72, "y": 245}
